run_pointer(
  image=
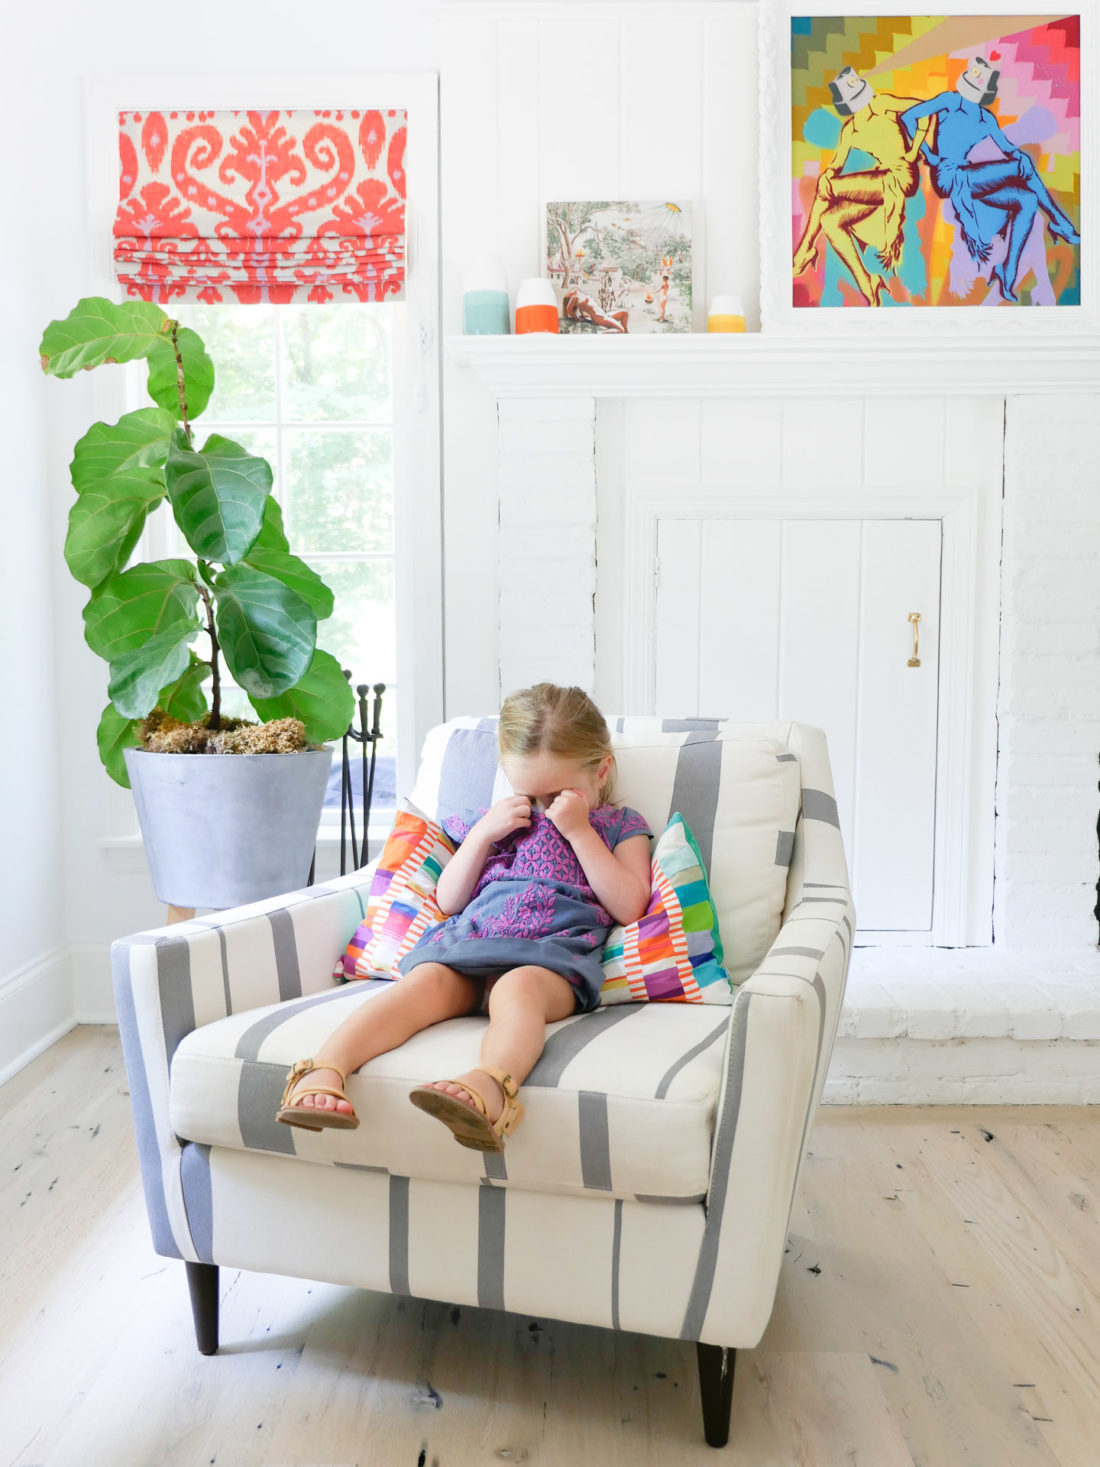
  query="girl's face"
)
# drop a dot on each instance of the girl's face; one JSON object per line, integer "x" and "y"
{"x": 542, "y": 777}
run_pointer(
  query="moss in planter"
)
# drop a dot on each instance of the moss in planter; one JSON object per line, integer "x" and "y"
{"x": 161, "y": 733}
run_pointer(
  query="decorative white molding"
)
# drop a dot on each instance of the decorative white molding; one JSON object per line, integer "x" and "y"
{"x": 698, "y": 364}
{"x": 36, "y": 1009}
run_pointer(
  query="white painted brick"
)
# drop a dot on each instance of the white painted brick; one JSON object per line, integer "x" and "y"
{"x": 1062, "y": 542}
{"x": 561, "y": 471}
{"x": 1070, "y": 639}
{"x": 568, "y": 601}
{"x": 870, "y": 1014}
{"x": 1049, "y": 902}
{"x": 1026, "y": 702}
{"x": 1075, "y": 410}
{"x": 937, "y": 1010}
{"x": 1078, "y": 931}
{"x": 1057, "y": 505}
{"x": 522, "y": 673}
{"x": 1078, "y": 1008}
{"x": 1021, "y": 735}
{"x": 1050, "y": 771}
{"x": 1054, "y": 670}
{"x": 538, "y": 639}
{"x": 1033, "y": 1014}
{"x": 554, "y": 543}
{"x": 971, "y": 1058}
{"x": 1056, "y": 867}
{"x": 545, "y": 435}
{"x": 1049, "y": 802}
{"x": 1042, "y": 836}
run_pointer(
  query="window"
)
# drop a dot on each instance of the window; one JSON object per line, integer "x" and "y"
{"x": 310, "y": 389}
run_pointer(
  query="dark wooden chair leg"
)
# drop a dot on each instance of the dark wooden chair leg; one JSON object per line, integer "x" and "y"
{"x": 716, "y": 1387}
{"x": 202, "y": 1280}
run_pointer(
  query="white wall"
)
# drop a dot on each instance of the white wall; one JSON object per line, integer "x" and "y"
{"x": 59, "y": 887}
{"x": 34, "y": 993}
{"x": 650, "y": 100}
{"x": 572, "y": 101}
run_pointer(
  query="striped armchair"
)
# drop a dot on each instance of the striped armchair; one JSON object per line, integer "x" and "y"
{"x": 650, "y": 1185}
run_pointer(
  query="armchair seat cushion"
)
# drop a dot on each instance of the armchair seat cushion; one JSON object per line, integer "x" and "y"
{"x": 621, "y": 1103}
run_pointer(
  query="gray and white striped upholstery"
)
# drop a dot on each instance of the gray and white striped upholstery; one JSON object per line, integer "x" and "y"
{"x": 623, "y": 1106}
{"x": 580, "y": 1246}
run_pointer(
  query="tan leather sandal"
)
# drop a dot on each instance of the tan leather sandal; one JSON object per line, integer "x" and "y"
{"x": 315, "y": 1119}
{"x": 470, "y": 1124}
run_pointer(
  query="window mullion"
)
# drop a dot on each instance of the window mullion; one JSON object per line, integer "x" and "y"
{"x": 280, "y": 443}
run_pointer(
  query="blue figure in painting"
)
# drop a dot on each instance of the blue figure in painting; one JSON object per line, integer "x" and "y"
{"x": 989, "y": 197}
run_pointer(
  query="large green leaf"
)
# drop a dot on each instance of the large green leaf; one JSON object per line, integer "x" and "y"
{"x": 147, "y": 599}
{"x": 295, "y": 574}
{"x": 322, "y": 699}
{"x": 114, "y": 734}
{"x": 103, "y": 530}
{"x": 97, "y": 330}
{"x": 137, "y": 676}
{"x": 272, "y": 536}
{"x": 198, "y": 374}
{"x": 267, "y": 631}
{"x": 185, "y": 699}
{"x": 218, "y": 493}
{"x": 134, "y": 448}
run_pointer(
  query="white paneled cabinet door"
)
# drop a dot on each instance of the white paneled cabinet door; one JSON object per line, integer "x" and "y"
{"x": 810, "y": 620}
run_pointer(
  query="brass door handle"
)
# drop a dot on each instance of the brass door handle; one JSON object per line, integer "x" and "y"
{"x": 914, "y": 617}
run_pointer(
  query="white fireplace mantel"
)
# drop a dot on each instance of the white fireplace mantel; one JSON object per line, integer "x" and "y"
{"x": 760, "y": 365}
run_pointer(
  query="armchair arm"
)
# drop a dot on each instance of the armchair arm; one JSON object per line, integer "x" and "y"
{"x": 779, "y": 1042}
{"x": 171, "y": 980}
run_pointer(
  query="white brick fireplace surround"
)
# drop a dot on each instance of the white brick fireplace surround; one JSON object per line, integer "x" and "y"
{"x": 1011, "y": 1012}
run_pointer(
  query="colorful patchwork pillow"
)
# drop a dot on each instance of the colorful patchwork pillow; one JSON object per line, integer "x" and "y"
{"x": 673, "y": 953}
{"x": 401, "y": 906}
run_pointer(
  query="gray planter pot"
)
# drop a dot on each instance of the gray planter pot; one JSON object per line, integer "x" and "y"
{"x": 224, "y": 829}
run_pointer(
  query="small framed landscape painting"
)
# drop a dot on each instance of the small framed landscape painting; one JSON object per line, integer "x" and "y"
{"x": 925, "y": 165}
{"x": 620, "y": 268}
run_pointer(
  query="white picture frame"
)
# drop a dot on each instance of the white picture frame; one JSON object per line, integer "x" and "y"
{"x": 780, "y": 313}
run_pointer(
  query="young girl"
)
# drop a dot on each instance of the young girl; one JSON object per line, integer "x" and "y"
{"x": 534, "y": 888}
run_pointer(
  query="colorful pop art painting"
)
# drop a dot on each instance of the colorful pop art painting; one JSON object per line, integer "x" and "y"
{"x": 936, "y": 160}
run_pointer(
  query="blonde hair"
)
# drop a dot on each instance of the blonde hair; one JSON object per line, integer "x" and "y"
{"x": 552, "y": 720}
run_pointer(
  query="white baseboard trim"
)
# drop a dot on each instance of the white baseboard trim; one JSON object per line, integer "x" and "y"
{"x": 36, "y": 1009}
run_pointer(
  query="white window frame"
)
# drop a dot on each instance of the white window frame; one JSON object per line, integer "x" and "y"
{"x": 418, "y": 586}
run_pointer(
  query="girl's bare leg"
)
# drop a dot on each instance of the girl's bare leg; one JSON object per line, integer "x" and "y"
{"x": 428, "y": 994}
{"x": 521, "y": 1004}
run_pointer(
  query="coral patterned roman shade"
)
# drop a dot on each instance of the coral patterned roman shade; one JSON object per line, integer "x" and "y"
{"x": 261, "y": 206}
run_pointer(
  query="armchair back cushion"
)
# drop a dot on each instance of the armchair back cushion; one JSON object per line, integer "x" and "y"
{"x": 740, "y": 796}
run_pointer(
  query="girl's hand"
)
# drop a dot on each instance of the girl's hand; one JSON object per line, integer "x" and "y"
{"x": 569, "y": 812}
{"x": 511, "y": 813}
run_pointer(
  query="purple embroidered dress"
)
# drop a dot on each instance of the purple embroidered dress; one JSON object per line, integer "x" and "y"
{"x": 532, "y": 904}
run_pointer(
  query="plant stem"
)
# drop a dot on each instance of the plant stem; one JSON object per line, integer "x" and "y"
{"x": 180, "y": 388}
{"x": 215, "y": 689}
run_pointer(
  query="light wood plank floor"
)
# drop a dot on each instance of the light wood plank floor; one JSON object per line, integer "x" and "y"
{"x": 938, "y": 1306}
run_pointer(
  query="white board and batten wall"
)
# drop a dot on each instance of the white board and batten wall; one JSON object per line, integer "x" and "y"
{"x": 761, "y": 560}
{"x": 752, "y": 559}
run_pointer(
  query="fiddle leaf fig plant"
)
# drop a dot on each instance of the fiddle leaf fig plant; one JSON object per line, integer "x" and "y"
{"x": 259, "y": 603}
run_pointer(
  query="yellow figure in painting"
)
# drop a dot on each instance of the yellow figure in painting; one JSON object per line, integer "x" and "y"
{"x": 867, "y": 207}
